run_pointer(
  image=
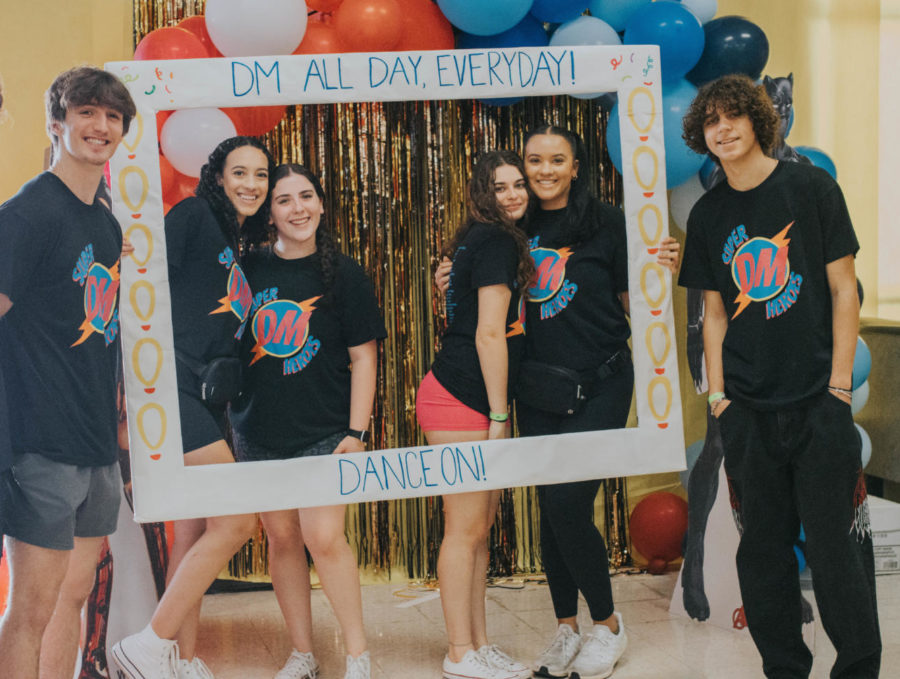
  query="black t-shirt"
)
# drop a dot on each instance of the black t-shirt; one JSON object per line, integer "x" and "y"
{"x": 210, "y": 295}
{"x": 574, "y": 317}
{"x": 59, "y": 265}
{"x": 765, "y": 251}
{"x": 295, "y": 350}
{"x": 486, "y": 256}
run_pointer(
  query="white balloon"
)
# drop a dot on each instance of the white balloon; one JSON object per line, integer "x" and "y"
{"x": 190, "y": 135}
{"x": 866, "y": 452}
{"x": 241, "y": 28}
{"x": 859, "y": 397}
{"x": 682, "y": 199}
{"x": 704, "y": 10}
{"x": 585, "y": 30}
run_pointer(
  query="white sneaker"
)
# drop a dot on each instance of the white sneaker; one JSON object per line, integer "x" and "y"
{"x": 194, "y": 669}
{"x": 555, "y": 660}
{"x": 359, "y": 667}
{"x": 299, "y": 666}
{"x": 497, "y": 659}
{"x": 473, "y": 666}
{"x": 600, "y": 651}
{"x": 145, "y": 656}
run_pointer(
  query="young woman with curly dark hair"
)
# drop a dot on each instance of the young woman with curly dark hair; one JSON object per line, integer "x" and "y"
{"x": 310, "y": 356}
{"x": 210, "y": 305}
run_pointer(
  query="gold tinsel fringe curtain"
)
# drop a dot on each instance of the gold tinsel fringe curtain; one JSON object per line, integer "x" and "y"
{"x": 395, "y": 176}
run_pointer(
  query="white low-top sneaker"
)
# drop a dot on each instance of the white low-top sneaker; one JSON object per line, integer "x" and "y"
{"x": 359, "y": 667}
{"x": 473, "y": 666}
{"x": 496, "y": 658}
{"x": 555, "y": 660}
{"x": 299, "y": 666}
{"x": 600, "y": 651}
{"x": 145, "y": 656}
{"x": 194, "y": 669}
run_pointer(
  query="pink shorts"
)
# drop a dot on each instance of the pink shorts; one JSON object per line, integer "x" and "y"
{"x": 438, "y": 410}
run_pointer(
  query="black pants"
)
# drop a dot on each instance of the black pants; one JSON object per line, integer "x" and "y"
{"x": 572, "y": 550}
{"x": 803, "y": 465}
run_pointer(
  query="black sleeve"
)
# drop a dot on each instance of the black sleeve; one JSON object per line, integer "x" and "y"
{"x": 616, "y": 219}
{"x": 495, "y": 260}
{"x": 179, "y": 223}
{"x": 838, "y": 235}
{"x": 22, "y": 246}
{"x": 696, "y": 271}
{"x": 361, "y": 319}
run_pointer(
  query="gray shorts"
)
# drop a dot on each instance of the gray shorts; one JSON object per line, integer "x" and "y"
{"x": 48, "y": 503}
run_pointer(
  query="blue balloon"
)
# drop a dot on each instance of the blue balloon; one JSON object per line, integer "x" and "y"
{"x": 483, "y": 18}
{"x": 558, "y": 11}
{"x": 732, "y": 45}
{"x": 615, "y": 12}
{"x": 819, "y": 158}
{"x": 862, "y": 363}
{"x": 859, "y": 397}
{"x": 585, "y": 31}
{"x": 704, "y": 10}
{"x": 681, "y": 162}
{"x": 709, "y": 166}
{"x": 691, "y": 455}
{"x": 675, "y": 29}
{"x": 801, "y": 559}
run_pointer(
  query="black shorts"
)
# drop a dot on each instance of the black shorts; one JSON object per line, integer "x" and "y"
{"x": 245, "y": 451}
{"x": 200, "y": 423}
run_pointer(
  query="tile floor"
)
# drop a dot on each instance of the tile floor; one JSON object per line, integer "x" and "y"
{"x": 243, "y": 637}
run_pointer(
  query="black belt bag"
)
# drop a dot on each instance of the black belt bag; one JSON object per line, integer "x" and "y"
{"x": 219, "y": 381}
{"x": 559, "y": 390}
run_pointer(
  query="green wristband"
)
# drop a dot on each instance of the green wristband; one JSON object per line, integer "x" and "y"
{"x": 498, "y": 417}
{"x": 717, "y": 396}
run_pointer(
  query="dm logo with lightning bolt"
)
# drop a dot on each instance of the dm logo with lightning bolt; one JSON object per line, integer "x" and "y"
{"x": 761, "y": 271}
{"x": 281, "y": 329}
{"x": 549, "y": 286}
{"x": 239, "y": 298}
{"x": 101, "y": 289}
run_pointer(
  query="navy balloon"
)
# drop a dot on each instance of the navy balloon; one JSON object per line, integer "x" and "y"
{"x": 819, "y": 158}
{"x": 529, "y": 32}
{"x": 676, "y": 30}
{"x": 732, "y": 45}
{"x": 558, "y": 11}
{"x": 681, "y": 162}
{"x": 484, "y": 18}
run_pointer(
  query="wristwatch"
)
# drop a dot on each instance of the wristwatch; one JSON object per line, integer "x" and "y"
{"x": 361, "y": 434}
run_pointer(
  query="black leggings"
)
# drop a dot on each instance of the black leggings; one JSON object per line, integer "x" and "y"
{"x": 572, "y": 550}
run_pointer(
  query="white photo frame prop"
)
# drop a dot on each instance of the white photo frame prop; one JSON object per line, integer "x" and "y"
{"x": 165, "y": 489}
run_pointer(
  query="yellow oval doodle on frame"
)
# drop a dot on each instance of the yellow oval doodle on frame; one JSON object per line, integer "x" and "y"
{"x": 663, "y": 288}
{"x": 659, "y": 223}
{"x": 638, "y": 152}
{"x": 133, "y": 298}
{"x": 142, "y": 430}
{"x": 136, "y": 364}
{"x": 148, "y": 237}
{"x": 631, "y": 97}
{"x": 123, "y": 189}
{"x": 667, "y": 387}
{"x": 648, "y": 340}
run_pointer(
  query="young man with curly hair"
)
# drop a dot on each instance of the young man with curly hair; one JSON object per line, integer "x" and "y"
{"x": 59, "y": 278}
{"x": 773, "y": 249}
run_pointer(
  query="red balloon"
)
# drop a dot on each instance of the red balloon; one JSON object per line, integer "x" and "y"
{"x": 197, "y": 26}
{"x": 168, "y": 175}
{"x": 424, "y": 27}
{"x": 170, "y": 42}
{"x": 658, "y": 524}
{"x": 369, "y": 25}
{"x": 323, "y": 5}
{"x": 254, "y": 121}
{"x": 320, "y": 38}
{"x": 182, "y": 187}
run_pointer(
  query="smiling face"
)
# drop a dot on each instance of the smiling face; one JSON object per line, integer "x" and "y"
{"x": 730, "y": 137}
{"x": 511, "y": 191}
{"x": 551, "y": 166}
{"x": 245, "y": 180}
{"x": 89, "y": 133}
{"x": 295, "y": 212}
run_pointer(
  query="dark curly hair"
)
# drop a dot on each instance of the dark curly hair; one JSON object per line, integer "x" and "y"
{"x": 582, "y": 220}
{"x": 212, "y": 192}
{"x": 734, "y": 95}
{"x": 483, "y": 207}
{"x": 86, "y": 85}
{"x": 326, "y": 249}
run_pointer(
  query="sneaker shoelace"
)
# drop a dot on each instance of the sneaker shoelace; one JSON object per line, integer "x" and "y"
{"x": 497, "y": 658}
{"x": 604, "y": 641}
{"x": 168, "y": 661}
{"x": 358, "y": 667}
{"x": 301, "y": 665}
{"x": 561, "y": 643}
{"x": 200, "y": 669}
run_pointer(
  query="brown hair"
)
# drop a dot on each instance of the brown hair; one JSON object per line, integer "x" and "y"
{"x": 735, "y": 95}
{"x": 86, "y": 85}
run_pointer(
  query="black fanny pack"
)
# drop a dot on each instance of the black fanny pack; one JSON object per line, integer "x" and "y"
{"x": 559, "y": 390}
{"x": 219, "y": 381}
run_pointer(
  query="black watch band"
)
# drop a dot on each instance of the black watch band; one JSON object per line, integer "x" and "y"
{"x": 361, "y": 434}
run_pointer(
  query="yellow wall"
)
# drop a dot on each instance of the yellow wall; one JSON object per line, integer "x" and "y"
{"x": 38, "y": 40}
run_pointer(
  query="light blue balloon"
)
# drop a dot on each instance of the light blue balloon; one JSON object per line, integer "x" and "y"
{"x": 484, "y": 18}
{"x": 615, "y": 12}
{"x": 585, "y": 31}
{"x": 704, "y": 10}
{"x": 819, "y": 158}
{"x": 691, "y": 455}
{"x": 675, "y": 29}
{"x": 862, "y": 363}
{"x": 860, "y": 397}
{"x": 801, "y": 559}
{"x": 681, "y": 162}
{"x": 558, "y": 11}
{"x": 865, "y": 452}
